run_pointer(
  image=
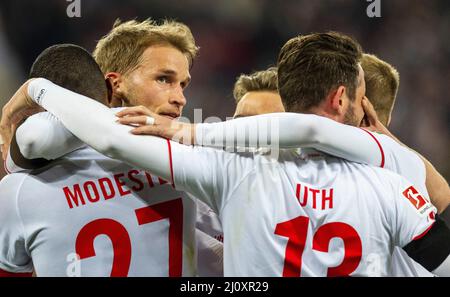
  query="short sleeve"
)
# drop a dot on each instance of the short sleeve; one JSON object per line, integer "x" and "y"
{"x": 211, "y": 175}
{"x": 414, "y": 213}
{"x": 44, "y": 136}
{"x": 14, "y": 257}
{"x": 404, "y": 161}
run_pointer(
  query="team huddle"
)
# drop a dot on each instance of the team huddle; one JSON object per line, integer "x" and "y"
{"x": 306, "y": 180}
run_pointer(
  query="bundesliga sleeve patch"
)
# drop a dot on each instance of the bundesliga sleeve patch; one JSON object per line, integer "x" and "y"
{"x": 417, "y": 200}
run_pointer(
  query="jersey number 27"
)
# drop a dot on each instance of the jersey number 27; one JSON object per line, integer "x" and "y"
{"x": 121, "y": 242}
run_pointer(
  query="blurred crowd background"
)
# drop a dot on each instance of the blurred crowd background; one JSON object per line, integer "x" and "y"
{"x": 240, "y": 36}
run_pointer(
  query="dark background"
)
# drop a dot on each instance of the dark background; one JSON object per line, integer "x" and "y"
{"x": 240, "y": 36}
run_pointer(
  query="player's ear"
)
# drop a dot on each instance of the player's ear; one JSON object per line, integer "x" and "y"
{"x": 109, "y": 89}
{"x": 336, "y": 100}
{"x": 115, "y": 78}
{"x": 114, "y": 83}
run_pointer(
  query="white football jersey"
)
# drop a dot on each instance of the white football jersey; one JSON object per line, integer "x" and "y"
{"x": 56, "y": 141}
{"x": 307, "y": 214}
{"x": 402, "y": 160}
{"x": 209, "y": 241}
{"x": 208, "y": 221}
{"x": 408, "y": 164}
{"x": 89, "y": 215}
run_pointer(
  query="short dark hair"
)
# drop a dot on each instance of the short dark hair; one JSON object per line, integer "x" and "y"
{"x": 72, "y": 67}
{"x": 311, "y": 66}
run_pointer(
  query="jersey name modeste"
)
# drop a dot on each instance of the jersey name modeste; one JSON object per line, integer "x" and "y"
{"x": 89, "y": 215}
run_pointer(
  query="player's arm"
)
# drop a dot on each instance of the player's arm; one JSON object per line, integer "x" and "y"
{"x": 418, "y": 230}
{"x": 438, "y": 188}
{"x": 409, "y": 164}
{"x": 95, "y": 124}
{"x": 445, "y": 215}
{"x": 16, "y": 162}
{"x": 275, "y": 130}
{"x": 38, "y": 140}
{"x": 291, "y": 130}
{"x": 432, "y": 250}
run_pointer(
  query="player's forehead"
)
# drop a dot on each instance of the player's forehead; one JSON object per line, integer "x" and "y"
{"x": 260, "y": 97}
{"x": 258, "y": 102}
{"x": 361, "y": 83}
{"x": 360, "y": 75}
{"x": 267, "y": 101}
{"x": 165, "y": 59}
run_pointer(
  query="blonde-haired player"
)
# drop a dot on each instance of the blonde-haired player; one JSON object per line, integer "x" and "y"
{"x": 144, "y": 63}
{"x": 382, "y": 83}
{"x": 279, "y": 217}
{"x": 257, "y": 93}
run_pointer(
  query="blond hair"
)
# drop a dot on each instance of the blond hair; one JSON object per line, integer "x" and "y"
{"x": 265, "y": 80}
{"x": 121, "y": 49}
{"x": 382, "y": 81}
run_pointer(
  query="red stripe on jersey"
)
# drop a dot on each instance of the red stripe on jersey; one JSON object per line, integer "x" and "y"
{"x": 423, "y": 233}
{"x": 4, "y": 273}
{"x": 379, "y": 145}
{"x": 170, "y": 161}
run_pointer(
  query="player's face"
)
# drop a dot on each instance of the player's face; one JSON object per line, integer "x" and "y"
{"x": 159, "y": 81}
{"x": 259, "y": 102}
{"x": 355, "y": 113}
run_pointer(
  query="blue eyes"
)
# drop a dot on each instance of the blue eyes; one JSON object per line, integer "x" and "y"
{"x": 168, "y": 80}
{"x": 163, "y": 79}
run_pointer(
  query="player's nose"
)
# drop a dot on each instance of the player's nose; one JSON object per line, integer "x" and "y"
{"x": 177, "y": 97}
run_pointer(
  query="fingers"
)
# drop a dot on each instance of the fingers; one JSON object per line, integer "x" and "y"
{"x": 146, "y": 130}
{"x": 150, "y": 121}
{"x": 6, "y": 129}
{"x": 370, "y": 112}
{"x": 180, "y": 135}
{"x": 367, "y": 106}
{"x": 364, "y": 122}
{"x": 13, "y": 112}
{"x": 4, "y": 151}
{"x": 135, "y": 120}
{"x": 4, "y": 147}
{"x": 6, "y": 118}
{"x": 144, "y": 125}
{"x": 134, "y": 111}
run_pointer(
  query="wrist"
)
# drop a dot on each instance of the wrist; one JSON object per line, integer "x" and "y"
{"x": 27, "y": 94}
{"x": 35, "y": 90}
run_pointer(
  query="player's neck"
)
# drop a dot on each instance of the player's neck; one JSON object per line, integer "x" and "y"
{"x": 323, "y": 112}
